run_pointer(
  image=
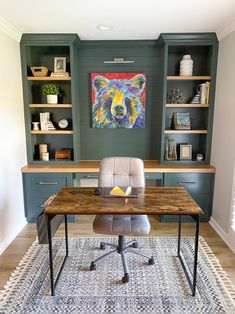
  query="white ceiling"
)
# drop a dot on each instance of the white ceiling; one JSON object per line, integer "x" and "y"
{"x": 130, "y": 19}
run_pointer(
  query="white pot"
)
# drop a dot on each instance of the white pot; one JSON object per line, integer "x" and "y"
{"x": 52, "y": 99}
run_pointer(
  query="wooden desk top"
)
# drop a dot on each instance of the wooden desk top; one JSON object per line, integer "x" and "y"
{"x": 93, "y": 166}
{"x": 150, "y": 201}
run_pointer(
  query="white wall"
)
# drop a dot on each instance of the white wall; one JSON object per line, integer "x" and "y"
{"x": 223, "y": 142}
{"x": 12, "y": 141}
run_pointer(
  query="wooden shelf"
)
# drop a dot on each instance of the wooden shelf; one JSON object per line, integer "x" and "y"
{"x": 48, "y": 78}
{"x": 187, "y": 105}
{"x": 188, "y": 78}
{"x": 185, "y": 131}
{"x": 50, "y": 105}
{"x": 52, "y": 132}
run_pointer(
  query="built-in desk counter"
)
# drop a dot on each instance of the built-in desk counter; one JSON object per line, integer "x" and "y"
{"x": 93, "y": 166}
{"x": 41, "y": 181}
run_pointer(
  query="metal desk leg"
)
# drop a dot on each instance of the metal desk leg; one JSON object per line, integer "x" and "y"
{"x": 179, "y": 236}
{"x": 54, "y": 283}
{"x": 50, "y": 253}
{"x": 197, "y": 219}
{"x": 66, "y": 235}
{"x": 193, "y": 280}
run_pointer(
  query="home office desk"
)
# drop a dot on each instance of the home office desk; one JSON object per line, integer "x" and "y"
{"x": 150, "y": 201}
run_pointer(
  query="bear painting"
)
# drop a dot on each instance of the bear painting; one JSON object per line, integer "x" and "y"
{"x": 118, "y": 100}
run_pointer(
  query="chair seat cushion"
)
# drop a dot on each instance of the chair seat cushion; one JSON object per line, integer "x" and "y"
{"x": 121, "y": 224}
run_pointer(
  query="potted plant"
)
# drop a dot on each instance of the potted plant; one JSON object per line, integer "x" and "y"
{"x": 52, "y": 91}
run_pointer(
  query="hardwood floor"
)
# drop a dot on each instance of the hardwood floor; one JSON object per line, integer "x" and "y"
{"x": 83, "y": 227}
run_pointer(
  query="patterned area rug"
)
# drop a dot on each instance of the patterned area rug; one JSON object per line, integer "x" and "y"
{"x": 159, "y": 288}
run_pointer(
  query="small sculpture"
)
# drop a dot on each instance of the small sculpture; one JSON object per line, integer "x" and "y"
{"x": 196, "y": 99}
{"x": 175, "y": 96}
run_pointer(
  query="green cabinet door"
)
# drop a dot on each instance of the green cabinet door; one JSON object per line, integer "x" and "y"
{"x": 38, "y": 187}
{"x": 199, "y": 185}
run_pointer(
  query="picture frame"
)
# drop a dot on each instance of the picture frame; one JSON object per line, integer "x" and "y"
{"x": 60, "y": 64}
{"x": 185, "y": 152}
{"x": 170, "y": 150}
{"x": 181, "y": 121}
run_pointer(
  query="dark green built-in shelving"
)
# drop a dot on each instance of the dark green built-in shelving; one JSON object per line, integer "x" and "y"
{"x": 40, "y": 50}
{"x": 159, "y": 59}
{"x": 203, "y": 48}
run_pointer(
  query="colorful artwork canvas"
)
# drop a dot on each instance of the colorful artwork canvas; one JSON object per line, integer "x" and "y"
{"x": 118, "y": 100}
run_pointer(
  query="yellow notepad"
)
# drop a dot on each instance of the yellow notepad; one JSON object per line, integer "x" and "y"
{"x": 121, "y": 191}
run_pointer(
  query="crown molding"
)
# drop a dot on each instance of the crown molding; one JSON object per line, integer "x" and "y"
{"x": 226, "y": 30}
{"x": 10, "y": 30}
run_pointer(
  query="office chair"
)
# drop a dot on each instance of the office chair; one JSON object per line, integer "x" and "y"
{"x": 121, "y": 171}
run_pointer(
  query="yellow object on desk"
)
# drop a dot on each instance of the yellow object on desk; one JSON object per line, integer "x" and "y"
{"x": 120, "y": 191}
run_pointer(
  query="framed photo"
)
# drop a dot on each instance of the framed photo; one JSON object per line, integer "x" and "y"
{"x": 59, "y": 64}
{"x": 186, "y": 151}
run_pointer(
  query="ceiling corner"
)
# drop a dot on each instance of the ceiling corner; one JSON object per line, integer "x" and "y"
{"x": 226, "y": 30}
{"x": 10, "y": 30}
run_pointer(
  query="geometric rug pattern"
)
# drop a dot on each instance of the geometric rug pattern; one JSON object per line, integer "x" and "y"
{"x": 158, "y": 288}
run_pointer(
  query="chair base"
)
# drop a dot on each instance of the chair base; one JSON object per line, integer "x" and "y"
{"x": 122, "y": 248}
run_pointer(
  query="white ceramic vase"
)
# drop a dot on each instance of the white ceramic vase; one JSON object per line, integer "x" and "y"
{"x": 52, "y": 99}
{"x": 186, "y": 66}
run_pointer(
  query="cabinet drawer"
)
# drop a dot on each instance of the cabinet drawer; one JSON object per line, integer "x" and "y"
{"x": 95, "y": 175}
{"x": 47, "y": 185}
{"x": 153, "y": 175}
{"x": 86, "y": 175}
{"x": 193, "y": 182}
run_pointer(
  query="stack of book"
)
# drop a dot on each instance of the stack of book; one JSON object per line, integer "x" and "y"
{"x": 45, "y": 123}
{"x": 60, "y": 74}
{"x": 204, "y": 92}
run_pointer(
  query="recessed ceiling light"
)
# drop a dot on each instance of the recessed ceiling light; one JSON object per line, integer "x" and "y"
{"x": 104, "y": 27}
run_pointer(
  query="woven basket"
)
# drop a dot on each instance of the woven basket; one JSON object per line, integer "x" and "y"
{"x": 39, "y": 71}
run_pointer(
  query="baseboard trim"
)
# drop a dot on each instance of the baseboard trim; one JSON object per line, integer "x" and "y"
{"x": 7, "y": 241}
{"x": 224, "y": 235}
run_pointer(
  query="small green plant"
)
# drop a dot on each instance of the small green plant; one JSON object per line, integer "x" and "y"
{"x": 51, "y": 89}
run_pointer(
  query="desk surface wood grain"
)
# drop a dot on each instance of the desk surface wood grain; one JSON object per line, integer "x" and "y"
{"x": 150, "y": 201}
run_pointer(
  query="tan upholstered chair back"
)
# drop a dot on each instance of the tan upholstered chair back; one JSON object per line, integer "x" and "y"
{"x": 121, "y": 171}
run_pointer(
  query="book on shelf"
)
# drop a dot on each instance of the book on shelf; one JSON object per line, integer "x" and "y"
{"x": 45, "y": 123}
{"x": 181, "y": 121}
{"x": 59, "y": 74}
{"x": 44, "y": 118}
{"x": 204, "y": 92}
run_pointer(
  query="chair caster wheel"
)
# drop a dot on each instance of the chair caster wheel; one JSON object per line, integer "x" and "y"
{"x": 92, "y": 266}
{"x": 151, "y": 261}
{"x": 102, "y": 246}
{"x": 135, "y": 245}
{"x": 125, "y": 279}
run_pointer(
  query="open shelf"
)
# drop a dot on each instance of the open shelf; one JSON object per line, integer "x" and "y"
{"x": 188, "y": 78}
{"x": 52, "y": 132}
{"x": 50, "y": 105}
{"x": 187, "y": 105}
{"x": 48, "y": 78}
{"x": 185, "y": 131}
